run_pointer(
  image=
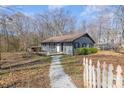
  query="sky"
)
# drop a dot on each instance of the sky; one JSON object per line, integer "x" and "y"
{"x": 35, "y": 9}
{"x": 80, "y": 12}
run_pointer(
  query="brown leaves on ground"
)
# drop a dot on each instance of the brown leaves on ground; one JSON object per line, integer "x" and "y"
{"x": 34, "y": 74}
{"x": 12, "y": 57}
{"x": 35, "y": 78}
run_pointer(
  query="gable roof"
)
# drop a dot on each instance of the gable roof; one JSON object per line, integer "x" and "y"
{"x": 65, "y": 38}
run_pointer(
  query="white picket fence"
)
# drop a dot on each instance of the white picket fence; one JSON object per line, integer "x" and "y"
{"x": 101, "y": 76}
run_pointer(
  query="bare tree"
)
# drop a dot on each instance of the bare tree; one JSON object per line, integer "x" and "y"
{"x": 21, "y": 26}
{"x": 120, "y": 15}
{"x": 56, "y": 22}
{"x": 83, "y": 26}
{"x": 3, "y": 24}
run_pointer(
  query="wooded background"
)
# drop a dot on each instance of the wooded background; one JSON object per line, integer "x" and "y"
{"x": 19, "y": 31}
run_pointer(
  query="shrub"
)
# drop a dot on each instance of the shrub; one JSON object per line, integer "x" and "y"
{"x": 85, "y": 51}
{"x": 93, "y": 50}
{"x": 78, "y": 51}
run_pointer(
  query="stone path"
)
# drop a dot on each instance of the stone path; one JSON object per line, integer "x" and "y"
{"x": 58, "y": 78}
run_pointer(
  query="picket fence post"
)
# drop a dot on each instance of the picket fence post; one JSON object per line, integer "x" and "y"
{"x": 104, "y": 76}
{"x": 98, "y": 75}
{"x": 93, "y": 77}
{"x": 110, "y": 76}
{"x": 84, "y": 72}
{"x": 90, "y": 73}
{"x": 101, "y": 77}
{"x": 119, "y": 78}
{"x": 86, "y": 64}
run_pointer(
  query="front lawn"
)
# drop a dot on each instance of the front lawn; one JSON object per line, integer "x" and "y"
{"x": 26, "y": 74}
{"x": 73, "y": 65}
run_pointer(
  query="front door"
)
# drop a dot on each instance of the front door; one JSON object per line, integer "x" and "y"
{"x": 59, "y": 47}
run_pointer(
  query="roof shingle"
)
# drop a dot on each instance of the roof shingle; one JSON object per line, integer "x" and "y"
{"x": 64, "y": 38}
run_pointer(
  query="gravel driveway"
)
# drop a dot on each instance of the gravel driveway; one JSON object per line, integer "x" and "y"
{"x": 58, "y": 78}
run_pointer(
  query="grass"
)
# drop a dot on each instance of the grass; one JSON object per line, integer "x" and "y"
{"x": 73, "y": 68}
{"x": 35, "y": 75}
{"x": 73, "y": 65}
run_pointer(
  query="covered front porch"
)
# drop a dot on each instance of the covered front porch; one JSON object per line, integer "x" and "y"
{"x": 53, "y": 48}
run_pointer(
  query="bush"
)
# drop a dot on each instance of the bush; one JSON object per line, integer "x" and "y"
{"x": 93, "y": 50}
{"x": 80, "y": 51}
{"x": 77, "y": 51}
{"x": 85, "y": 51}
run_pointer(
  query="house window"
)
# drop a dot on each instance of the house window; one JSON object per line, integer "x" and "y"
{"x": 52, "y": 47}
{"x": 90, "y": 45}
{"x": 77, "y": 45}
{"x": 84, "y": 45}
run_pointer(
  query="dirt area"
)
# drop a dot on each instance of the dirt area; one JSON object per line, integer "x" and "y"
{"x": 24, "y": 72}
{"x": 73, "y": 65}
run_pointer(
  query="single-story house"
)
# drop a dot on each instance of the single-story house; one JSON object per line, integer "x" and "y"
{"x": 66, "y": 44}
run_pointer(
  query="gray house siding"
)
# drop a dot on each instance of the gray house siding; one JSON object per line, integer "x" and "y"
{"x": 49, "y": 47}
{"x": 68, "y": 47}
{"x": 83, "y": 41}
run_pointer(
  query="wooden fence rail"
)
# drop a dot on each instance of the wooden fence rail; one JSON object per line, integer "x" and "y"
{"x": 101, "y": 75}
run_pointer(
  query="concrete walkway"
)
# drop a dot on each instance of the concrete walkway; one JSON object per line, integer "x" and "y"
{"x": 58, "y": 78}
